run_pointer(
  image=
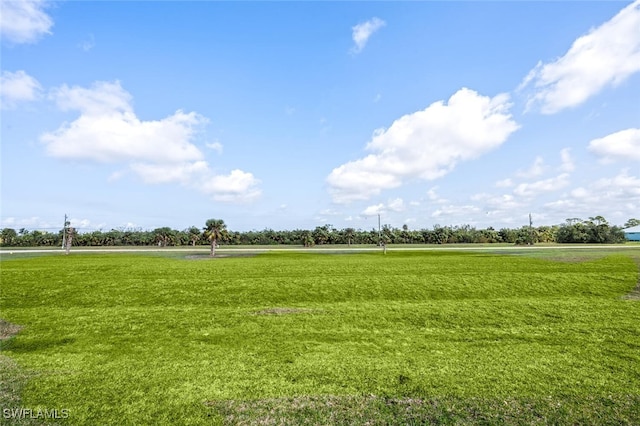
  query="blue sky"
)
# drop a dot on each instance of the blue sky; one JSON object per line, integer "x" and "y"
{"x": 290, "y": 115}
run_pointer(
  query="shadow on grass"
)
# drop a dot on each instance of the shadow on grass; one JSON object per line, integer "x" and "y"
{"x": 378, "y": 410}
{"x": 13, "y": 378}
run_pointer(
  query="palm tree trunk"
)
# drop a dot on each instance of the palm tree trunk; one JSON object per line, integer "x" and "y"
{"x": 213, "y": 248}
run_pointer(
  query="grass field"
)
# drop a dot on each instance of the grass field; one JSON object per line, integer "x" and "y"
{"x": 320, "y": 338}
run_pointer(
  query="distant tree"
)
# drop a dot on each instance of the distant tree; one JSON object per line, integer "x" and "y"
{"x": 321, "y": 234}
{"x": 9, "y": 236}
{"x": 214, "y": 230}
{"x": 405, "y": 233}
{"x": 194, "y": 235}
{"x": 631, "y": 223}
{"x": 349, "y": 233}
{"x": 163, "y": 236}
{"x": 594, "y": 230}
{"x": 307, "y": 239}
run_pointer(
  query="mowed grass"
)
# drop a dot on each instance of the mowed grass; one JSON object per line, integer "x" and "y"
{"x": 285, "y": 338}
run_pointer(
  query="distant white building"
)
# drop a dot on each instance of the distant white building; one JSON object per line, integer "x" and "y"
{"x": 633, "y": 233}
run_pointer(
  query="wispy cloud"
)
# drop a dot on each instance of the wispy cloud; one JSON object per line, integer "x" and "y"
{"x": 532, "y": 189}
{"x": 24, "y": 21}
{"x": 567, "y": 162}
{"x": 88, "y": 44}
{"x": 426, "y": 144}
{"x": 215, "y": 146}
{"x": 536, "y": 169}
{"x": 606, "y": 56}
{"x": 621, "y": 191}
{"x": 362, "y": 32}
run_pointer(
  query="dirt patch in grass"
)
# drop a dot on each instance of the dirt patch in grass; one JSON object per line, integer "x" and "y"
{"x": 283, "y": 311}
{"x": 379, "y": 410}
{"x": 8, "y": 330}
{"x": 635, "y": 293}
{"x": 217, "y": 256}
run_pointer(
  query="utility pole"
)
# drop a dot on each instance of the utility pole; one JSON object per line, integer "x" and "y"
{"x": 64, "y": 232}
{"x": 69, "y": 241}
{"x": 379, "y": 232}
{"x": 530, "y": 230}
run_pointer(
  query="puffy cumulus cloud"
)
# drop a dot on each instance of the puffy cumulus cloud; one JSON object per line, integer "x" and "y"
{"x": 362, "y": 32}
{"x": 623, "y": 145}
{"x": 532, "y": 189}
{"x": 108, "y": 130}
{"x": 24, "y": 21}
{"x": 158, "y": 151}
{"x": 426, "y": 144}
{"x": 17, "y": 87}
{"x": 236, "y": 186}
{"x": 606, "y": 56}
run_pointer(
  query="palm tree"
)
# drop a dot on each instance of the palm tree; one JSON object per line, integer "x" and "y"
{"x": 349, "y": 233}
{"x": 214, "y": 230}
{"x": 194, "y": 235}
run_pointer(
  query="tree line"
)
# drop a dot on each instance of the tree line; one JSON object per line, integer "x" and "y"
{"x": 574, "y": 230}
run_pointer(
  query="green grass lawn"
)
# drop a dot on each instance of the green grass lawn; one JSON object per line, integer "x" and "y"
{"x": 282, "y": 338}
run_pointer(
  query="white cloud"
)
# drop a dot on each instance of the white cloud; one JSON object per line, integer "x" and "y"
{"x": 433, "y": 196}
{"x": 374, "y": 210}
{"x": 542, "y": 186}
{"x": 364, "y": 30}
{"x": 498, "y": 203}
{"x": 166, "y": 173}
{"x": 29, "y": 223}
{"x": 623, "y": 145}
{"x": 606, "y": 56}
{"x": 216, "y": 146}
{"x": 426, "y": 145}
{"x": 536, "y": 169}
{"x": 236, "y": 186}
{"x": 16, "y": 87}
{"x": 567, "y": 161}
{"x": 620, "y": 195}
{"x": 108, "y": 130}
{"x": 395, "y": 205}
{"x": 24, "y": 21}
{"x": 103, "y": 98}
{"x": 504, "y": 183}
{"x": 159, "y": 152}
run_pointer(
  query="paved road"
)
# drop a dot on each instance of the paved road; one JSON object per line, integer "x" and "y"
{"x": 316, "y": 249}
